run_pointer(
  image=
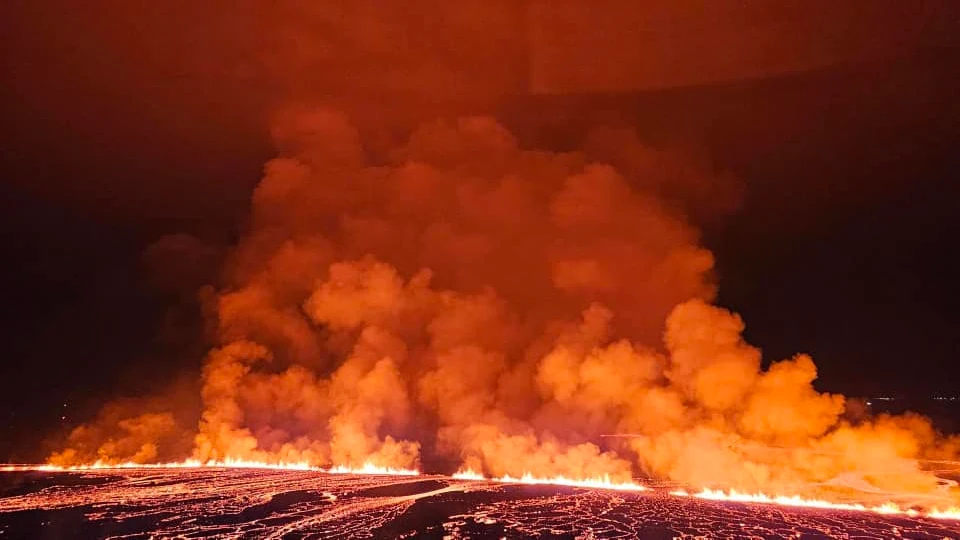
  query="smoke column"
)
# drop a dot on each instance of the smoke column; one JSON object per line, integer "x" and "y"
{"x": 501, "y": 308}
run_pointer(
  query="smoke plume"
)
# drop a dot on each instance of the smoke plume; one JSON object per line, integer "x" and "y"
{"x": 502, "y": 308}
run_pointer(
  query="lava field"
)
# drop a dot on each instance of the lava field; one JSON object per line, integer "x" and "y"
{"x": 252, "y": 503}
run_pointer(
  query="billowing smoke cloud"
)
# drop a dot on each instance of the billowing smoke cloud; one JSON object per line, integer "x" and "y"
{"x": 504, "y": 308}
{"x": 143, "y": 430}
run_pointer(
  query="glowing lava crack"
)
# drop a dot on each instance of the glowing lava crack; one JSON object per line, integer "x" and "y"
{"x": 601, "y": 482}
{"x": 888, "y": 508}
{"x": 797, "y": 501}
{"x": 366, "y": 468}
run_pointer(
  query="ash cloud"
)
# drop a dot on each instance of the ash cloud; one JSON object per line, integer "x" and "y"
{"x": 502, "y": 308}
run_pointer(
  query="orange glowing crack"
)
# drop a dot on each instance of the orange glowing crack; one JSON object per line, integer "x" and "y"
{"x": 888, "y": 508}
{"x": 366, "y": 468}
{"x": 599, "y": 482}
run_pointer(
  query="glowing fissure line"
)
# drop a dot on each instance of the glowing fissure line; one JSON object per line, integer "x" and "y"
{"x": 888, "y": 508}
{"x": 718, "y": 495}
{"x": 599, "y": 482}
{"x": 366, "y": 468}
{"x": 603, "y": 482}
{"x": 369, "y": 468}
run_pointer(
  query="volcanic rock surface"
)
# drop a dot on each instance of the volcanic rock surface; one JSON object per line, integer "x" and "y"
{"x": 248, "y": 503}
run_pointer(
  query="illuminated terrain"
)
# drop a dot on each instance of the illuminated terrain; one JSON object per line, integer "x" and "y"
{"x": 251, "y": 502}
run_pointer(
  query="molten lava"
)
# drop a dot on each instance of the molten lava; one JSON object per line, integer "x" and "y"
{"x": 366, "y": 468}
{"x": 369, "y": 468}
{"x": 602, "y": 482}
{"x": 468, "y": 474}
{"x": 888, "y": 508}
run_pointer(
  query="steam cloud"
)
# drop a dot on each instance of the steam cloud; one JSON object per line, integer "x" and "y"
{"x": 500, "y": 308}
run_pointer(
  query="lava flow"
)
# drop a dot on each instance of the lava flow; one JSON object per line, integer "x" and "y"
{"x": 366, "y": 468}
{"x": 888, "y": 508}
{"x": 369, "y": 468}
{"x": 601, "y": 482}
{"x": 192, "y": 499}
{"x": 172, "y": 502}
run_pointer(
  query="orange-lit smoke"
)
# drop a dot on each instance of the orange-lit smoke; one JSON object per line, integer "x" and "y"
{"x": 141, "y": 430}
{"x": 504, "y": 308}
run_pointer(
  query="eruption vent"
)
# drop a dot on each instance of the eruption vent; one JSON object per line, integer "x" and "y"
{"x": 501, "y": 308}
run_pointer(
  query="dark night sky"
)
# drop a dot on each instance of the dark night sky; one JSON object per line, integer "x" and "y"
{"x": 844, "y": 247}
